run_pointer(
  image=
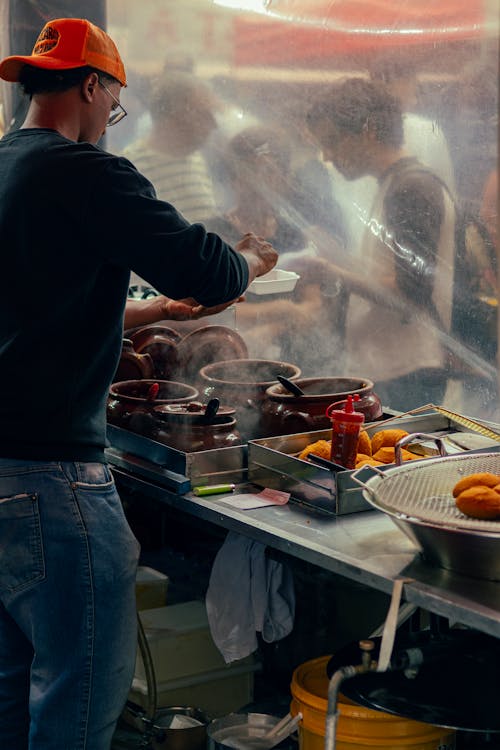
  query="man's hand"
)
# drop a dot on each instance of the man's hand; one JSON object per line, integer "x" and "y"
{"x": 145, "y": 312}
{"x": 259, "y": 254}
{"x": 189, "y": 309}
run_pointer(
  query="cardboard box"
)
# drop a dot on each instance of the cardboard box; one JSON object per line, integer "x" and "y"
{"x": 151, "y": 588}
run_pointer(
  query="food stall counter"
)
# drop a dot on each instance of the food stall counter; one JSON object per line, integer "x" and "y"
{"x": 365, "y": 547}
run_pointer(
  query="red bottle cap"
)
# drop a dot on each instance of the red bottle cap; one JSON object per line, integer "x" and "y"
{"x": 348, "y": 414}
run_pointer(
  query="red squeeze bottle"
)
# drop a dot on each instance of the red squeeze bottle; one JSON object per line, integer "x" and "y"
{"x": 346, "y": 425}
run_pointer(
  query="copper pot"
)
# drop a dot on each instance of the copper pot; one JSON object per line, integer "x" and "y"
{"x": 187, "y": 428}
{"x": 160, "y": 343}
{"x": 131, "y": 403}
{"x": 243, "y": 383}
{"x": 133, "y": 365}
{"x": 285, "y": 413}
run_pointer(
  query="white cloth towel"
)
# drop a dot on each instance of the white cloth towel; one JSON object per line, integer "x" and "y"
{"x": 247, "y": 594}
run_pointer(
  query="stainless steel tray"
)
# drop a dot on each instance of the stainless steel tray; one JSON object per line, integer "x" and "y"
{"x": 418, "y": 497}
{"x": 273, "y": 462}
{"x": 159, "y": 462}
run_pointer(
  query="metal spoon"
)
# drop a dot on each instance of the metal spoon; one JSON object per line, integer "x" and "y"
{"x": 290, "y": 385}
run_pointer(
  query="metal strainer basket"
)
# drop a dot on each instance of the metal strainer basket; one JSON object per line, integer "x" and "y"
{"x": 418, "y": 497}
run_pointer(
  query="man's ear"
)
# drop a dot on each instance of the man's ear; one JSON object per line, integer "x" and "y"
{"x": 89, "y": 85}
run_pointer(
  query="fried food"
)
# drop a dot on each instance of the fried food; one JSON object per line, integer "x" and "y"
{"x": 484, "y": 478}
{"x": 362, "y": 460}
{"x": 387, "y": 455}
{"x": 479, "y": 501}
{"x": 364, "y": 443}
{"x": 361, "y": 457}
{"x": 319, "y": 448}
{"x": 387, "y": 438}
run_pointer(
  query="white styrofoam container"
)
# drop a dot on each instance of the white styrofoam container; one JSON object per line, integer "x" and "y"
{"x": 151, "y": 588}
{"x": 180, "y": 642}
{"x": 273, "y": 282}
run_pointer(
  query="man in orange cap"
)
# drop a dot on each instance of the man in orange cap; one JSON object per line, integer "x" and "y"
{"x": 75, "y": 219}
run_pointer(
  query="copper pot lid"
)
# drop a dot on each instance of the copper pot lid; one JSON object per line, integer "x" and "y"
{"x": 195, "y": 412}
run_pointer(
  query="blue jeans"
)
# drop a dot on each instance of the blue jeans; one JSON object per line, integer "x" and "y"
{"x": 67, "y": 606}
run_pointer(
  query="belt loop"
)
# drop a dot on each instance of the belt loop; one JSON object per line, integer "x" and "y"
{"x": 69, "y": 469}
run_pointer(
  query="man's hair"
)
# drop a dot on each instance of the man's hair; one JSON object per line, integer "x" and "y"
{"x": 40, "y": 81}
{"x": 355, "y": 104}
{"x": 172, "y": 91}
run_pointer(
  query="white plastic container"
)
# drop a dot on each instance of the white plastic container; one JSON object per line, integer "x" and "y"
{"x": 276, "y": 281}
{"x": 180, "y": 642}
{"x": 189, "y": 667}
{"x": 151, "y": 588}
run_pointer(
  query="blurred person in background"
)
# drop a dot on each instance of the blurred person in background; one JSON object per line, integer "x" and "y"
{"x": 489, "y": 208}
{"x": 469, "y": 112}
{"x": 422, "y": 138}
{"x": 136, "y": 99}
{"x": 310, "y": 202}
{"x": 76, "y": 219}
{"x": 302, "y": 327}
{"x": 401, "y": 298}
{"x": 182, "y": 110}
{"x": 469, "y": 108}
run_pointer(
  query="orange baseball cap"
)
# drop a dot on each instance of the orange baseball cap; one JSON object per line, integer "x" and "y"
{"x": 66, "y": 43}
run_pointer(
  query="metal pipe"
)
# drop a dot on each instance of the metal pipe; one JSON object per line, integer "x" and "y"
{"x": 336, "y": 680}
{"x": 332, "y": 713}
{"x": 152, "y": 701}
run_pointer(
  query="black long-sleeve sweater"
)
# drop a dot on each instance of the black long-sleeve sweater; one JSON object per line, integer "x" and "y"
{"x": 74, "y": 220}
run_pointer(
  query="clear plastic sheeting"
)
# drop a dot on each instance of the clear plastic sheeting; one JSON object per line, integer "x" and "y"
{"x": 361, "y": 138}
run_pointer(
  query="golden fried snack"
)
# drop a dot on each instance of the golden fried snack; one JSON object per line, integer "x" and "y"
{"x": 361, "y": 457}
{"x": 366, "y": 461}
{"x": 319, "y": 448}
{"x": 364, "y": 443}
{"x": 479, "y": 501}
{"x": 387, "y": 455}
{"x": 410, "y": 456}
{"x": 384, "y": 438}
{"x": 483, "y": 478}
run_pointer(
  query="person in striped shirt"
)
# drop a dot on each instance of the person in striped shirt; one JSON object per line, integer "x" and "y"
{"x": 182, "y": 111}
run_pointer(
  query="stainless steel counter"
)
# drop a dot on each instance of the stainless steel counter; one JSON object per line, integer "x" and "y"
{"x": 366, "y": 547}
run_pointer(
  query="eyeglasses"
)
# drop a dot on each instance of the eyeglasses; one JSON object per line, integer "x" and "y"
{"x": 117, "y": 111}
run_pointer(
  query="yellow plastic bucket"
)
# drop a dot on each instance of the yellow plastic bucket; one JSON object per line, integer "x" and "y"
{"x": 357, "y": 726}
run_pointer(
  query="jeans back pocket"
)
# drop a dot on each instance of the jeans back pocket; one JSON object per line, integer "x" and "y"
{"x": 21, "y": 548}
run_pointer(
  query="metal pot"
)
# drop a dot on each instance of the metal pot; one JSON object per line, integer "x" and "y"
{"x": 239, "y": 730}
{"x": 168, "y": 736}
{"x": 418, "y": 497}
